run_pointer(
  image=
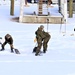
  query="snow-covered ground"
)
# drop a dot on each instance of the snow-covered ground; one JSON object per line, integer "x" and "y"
{"x": 59, "y": 59}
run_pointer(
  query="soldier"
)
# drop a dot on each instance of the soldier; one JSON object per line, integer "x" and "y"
{"x": 9, "y": 40}
{"x": 42, "y": 38}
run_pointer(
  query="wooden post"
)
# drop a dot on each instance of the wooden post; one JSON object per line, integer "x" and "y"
{"x": 22, "y": 2}
{"x": 65, "y": 11}
{"x": 70, "y": 8}
{"x": 12, "y": 8}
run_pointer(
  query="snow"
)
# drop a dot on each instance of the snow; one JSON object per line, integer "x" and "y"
{"x": 59, "y": 59}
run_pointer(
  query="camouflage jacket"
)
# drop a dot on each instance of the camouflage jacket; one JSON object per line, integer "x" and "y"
{"x": 10, "y": 40}
{"x": 41, "y": 34}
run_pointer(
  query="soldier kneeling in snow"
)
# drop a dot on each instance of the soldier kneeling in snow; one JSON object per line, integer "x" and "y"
{"x": 9, "y": 40}
{"x": 42, "y": 38}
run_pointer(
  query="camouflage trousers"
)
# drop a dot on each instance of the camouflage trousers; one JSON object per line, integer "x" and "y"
{"x": 11, "y": 45}
{"x": 42, "y": 42}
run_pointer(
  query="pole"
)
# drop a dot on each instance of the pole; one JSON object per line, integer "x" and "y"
{"x": 70, "y": 8}
{"x": 21, "y": 10}
{"x": 61, "y": 25}
{"x": 47, "y": 24}
{"x": 59, "y": 3}
{"x": 12, "y": 7}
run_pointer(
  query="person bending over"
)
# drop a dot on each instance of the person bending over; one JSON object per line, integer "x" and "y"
{"x": 42, "y": 39}
{"x": 9, "y": 40}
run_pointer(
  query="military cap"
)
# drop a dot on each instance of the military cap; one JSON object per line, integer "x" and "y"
{"x": 41, "y": 26}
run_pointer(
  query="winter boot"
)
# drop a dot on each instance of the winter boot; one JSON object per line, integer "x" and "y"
{"x": 12, "y": 50}
{"x": 44, "y": 51}
{"x": 36, "y": 54}
{"x": 37, "y": 51}
{"x": 2, "y": 48}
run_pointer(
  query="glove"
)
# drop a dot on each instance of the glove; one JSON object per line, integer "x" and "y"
{"x": 35, "y": 40}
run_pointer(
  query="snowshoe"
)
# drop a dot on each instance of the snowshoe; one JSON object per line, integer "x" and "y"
{"x": 12, "y": 51}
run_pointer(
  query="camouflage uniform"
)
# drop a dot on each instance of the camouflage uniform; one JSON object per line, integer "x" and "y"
{"x": 9, "y": 40}
{"x": 42, "y": 39}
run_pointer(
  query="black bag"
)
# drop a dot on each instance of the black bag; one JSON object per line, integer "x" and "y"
{"x": 34, "y": 49}
{"x": 17, "y": 51}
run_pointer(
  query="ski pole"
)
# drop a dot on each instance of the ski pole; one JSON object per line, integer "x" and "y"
{"x": 61, "y": 25}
